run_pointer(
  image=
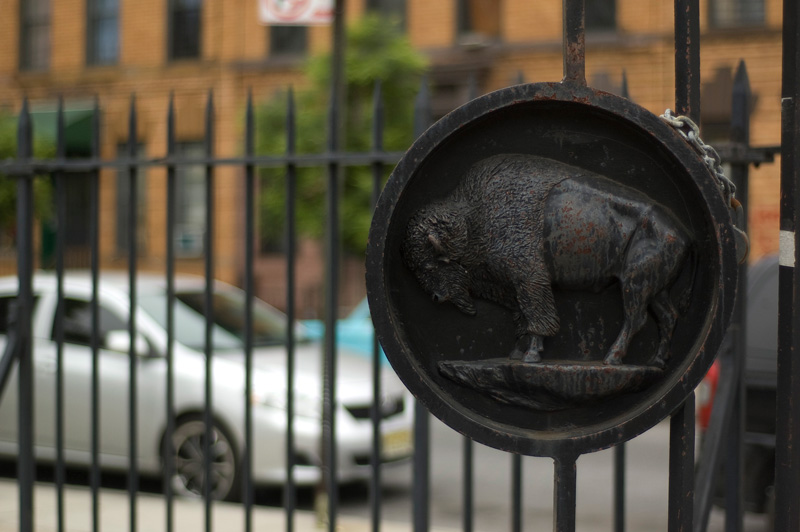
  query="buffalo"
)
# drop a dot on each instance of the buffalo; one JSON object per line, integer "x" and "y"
{"x": 518, "y": 225}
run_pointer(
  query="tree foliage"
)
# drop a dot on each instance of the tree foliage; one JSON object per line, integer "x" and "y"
{"x": 376, "y": 50}
{"x": 8, "y": 186}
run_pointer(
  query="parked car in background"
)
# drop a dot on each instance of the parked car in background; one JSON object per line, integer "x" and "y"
{"x": 761, "y": 378}
{"x": 269, "y": 387}
{"x": 354, "y": 332}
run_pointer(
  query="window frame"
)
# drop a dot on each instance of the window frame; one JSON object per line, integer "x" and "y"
{"x": 99, "y": 12}
{"x": 178, "y": 12}
{"x": 35, "y": 24}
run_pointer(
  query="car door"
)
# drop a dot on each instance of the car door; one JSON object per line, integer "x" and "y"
{"x": 113, "y": 374}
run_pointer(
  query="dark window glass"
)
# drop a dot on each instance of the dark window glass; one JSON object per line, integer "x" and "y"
{"x": 185, "y": 28}
{"x": 479, "y": 19}
{"x": 601, "y": 15}
{"x": 393, "y": 9}
{"x": 102, "y": 37}
{"x": 736, "y": 13}
{"x": 35, "y": 34}
{"x": 78, "y": 322}
{"x": 288, "y": 40}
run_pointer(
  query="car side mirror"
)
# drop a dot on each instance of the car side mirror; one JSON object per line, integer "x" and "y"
{"x": 120, "y": 340}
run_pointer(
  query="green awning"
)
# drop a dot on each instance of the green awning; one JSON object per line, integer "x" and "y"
{"x": 77, "y": 128}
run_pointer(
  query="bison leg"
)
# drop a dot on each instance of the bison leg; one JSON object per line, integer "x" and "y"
{"x": 634, "y": 304}
{"x": 528, "y": 349}
{"x": 666, "y": 317}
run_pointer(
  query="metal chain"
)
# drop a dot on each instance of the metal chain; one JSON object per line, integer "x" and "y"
{"x": 689, "y": 130}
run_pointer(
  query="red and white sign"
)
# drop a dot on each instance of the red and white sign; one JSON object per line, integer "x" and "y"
{"x": 295, "y": 12}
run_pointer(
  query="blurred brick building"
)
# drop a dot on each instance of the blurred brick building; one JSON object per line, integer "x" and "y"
{"x": 112, "y": 49}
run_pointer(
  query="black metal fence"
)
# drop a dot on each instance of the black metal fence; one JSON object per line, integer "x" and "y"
{"x": 690, "y": 494}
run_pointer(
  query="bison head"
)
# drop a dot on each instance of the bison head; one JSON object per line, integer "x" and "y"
{"x": 435, "y": 241}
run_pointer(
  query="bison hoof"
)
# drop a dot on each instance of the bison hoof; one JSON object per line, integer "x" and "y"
{"x": 612, "y": 360}
{"x": 532, "y": 356}
{"x": 525, "y": 356}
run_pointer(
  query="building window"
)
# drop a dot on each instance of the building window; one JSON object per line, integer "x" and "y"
{"x": 124, "y": 202}
{"x": 184, "y": 28}
{"x": 34, "y": 34}
{"x": 479, "y": 20}
{"x": 601, "y": 15}
{"x": 392, "y": 9}
{"x": 288, "y": 40}
{"x": 736, "y": 13}
{"x": 102, "y": 39}
{"x": 190, "y": 218}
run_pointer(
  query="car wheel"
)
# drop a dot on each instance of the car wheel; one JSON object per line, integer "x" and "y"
{"x": 188, "y": 453}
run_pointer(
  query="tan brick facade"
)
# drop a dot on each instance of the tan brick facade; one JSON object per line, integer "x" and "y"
{"x": 235, "y": 59}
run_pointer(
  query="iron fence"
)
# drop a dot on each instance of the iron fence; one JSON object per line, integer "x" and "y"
{"x": 690, "y": 494}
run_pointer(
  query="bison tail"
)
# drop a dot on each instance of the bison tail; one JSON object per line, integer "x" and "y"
{"x": 690, "y": 267}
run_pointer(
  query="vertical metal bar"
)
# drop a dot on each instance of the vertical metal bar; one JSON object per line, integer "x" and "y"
{"x": 468, "y": 485}
{"x": 516, "y": 493}
{"x": 249, "y": 288}
{"x": 133, "y": 473}
{"x": 209, "y": 309}
{"x": 289, "y": 491}
{"x": 624, "y": 90}
{"x": 734, "y": 463}
{"x": 687, "y": 102}
{"x": 94, "y": 225}
{"x": 727, "y": 417}
{"x": 787, "y": 452}
{"x": 335, "y": 142}
{"x": 681, "y": 468}
{"x": 574, "y": 41}
{"x": 687, "y": 58}
{"x": 421, "y": 475}
{"x": 468, "y": 445}
{"x": 26, "y": 471}
{"x": 619, "y": 488}
{"x": 377, "y": 176}
{"x": 61, "y": 220}
{"x": 169, "y": 445}
{"x": 564, "y": 493}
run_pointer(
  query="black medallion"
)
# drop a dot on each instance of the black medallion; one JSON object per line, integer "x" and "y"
{"x": 551, "y": 267}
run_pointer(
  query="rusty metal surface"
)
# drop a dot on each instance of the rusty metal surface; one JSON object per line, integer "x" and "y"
{"x": 436, "y": 347}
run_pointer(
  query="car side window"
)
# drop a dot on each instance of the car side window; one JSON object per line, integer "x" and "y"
{"x": 78, "y": 322}
{"x": 5, "y": 310}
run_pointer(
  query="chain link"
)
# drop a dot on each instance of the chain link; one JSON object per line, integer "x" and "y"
{"x": 689, "y": 131}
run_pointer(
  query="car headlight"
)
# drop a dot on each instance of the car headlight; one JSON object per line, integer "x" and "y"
{"x": 304, "y": 405}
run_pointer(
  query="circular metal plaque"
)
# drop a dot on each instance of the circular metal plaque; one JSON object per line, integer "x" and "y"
{"x": 551, "y": 269}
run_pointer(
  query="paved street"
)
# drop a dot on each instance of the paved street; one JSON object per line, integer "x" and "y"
{"x": 646, "y": 497}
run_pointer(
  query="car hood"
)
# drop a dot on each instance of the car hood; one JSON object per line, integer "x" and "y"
{"x": 354, "y": 371}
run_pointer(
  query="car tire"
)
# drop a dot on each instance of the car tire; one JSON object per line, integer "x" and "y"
{"x": 188, "y": 459}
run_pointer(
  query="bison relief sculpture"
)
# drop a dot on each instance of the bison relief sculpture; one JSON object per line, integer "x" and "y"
{"x": 518, "y": 225}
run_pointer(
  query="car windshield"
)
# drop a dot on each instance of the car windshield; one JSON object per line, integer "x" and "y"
{"x": 269, "y": 325}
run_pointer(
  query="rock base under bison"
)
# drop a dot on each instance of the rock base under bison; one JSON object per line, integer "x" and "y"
{"x": 548, "y": 385}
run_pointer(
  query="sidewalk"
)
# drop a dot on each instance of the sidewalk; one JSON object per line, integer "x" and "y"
{"x": 189, "y": 514}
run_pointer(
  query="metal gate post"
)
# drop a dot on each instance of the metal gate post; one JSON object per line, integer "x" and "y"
{"x": 787, "y": 454}
{"x": 687, "y": 102}
{"x": 25, "y": 465}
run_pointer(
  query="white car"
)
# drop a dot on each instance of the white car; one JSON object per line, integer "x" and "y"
{"x": 354, "y": 389}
